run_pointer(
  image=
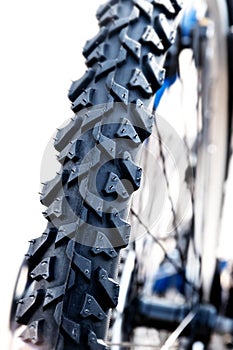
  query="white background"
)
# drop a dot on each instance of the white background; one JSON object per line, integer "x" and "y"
{"x": 40, "y": 53}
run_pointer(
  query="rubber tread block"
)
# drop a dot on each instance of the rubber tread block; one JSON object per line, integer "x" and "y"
{"x": 33, "y": 333}
{"x": 103, "y": 246}
{"x": 109, "y": 286}
{"x": 78, "y": 86}
{"x": 26, "y": 306}
{"x": 91, "y": 307}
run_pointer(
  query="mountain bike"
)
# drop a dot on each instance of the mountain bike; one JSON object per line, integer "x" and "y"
{"x": 70, "y": 296}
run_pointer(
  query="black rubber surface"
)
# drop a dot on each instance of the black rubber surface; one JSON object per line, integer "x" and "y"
{"x": 73, "y": 265}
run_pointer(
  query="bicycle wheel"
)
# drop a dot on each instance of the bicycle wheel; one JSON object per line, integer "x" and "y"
{"x": 72, "y": 267}
{"x": 200, "y": 93}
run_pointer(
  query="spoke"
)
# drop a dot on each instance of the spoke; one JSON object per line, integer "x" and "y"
{"x": 158, "y": 242}
{"x": 175, "y": 223}
{"x": 131, "y": 346}
{"x": 174, "y": 336}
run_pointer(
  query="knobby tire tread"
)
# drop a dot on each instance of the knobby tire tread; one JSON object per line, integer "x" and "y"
{"x": 73, "y": 265}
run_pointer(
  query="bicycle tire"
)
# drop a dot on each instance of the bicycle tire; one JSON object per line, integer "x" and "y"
{"x": 67, "y": 304}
